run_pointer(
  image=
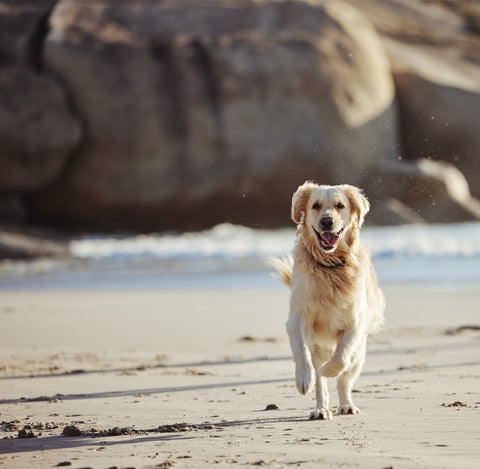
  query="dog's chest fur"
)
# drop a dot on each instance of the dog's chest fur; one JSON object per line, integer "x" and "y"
{"x": 329, "y": 295}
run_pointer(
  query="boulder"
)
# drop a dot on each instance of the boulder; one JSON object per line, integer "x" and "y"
{"x": 38, "y": 131}
{"x": 214, "y": 111}
{"x": 440, "y": 118}
{"x": 15, "y": 245}
{"x": 391, "y": 211}
{"x": 434, "y": 49}
{"x": 424, "y": 190}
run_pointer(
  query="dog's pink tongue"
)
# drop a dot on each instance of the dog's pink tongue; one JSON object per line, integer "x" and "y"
{"x": 330, "y": 238}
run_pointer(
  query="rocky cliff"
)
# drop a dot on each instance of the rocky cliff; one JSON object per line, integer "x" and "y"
{"x": 180, "y": 115}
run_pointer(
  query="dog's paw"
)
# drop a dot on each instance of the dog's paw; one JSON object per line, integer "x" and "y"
{"x": 333, "y": 367}
{"x": 304, "y": 378}
{"x": 321, "y": 414}
{"x": 347, "y": 409}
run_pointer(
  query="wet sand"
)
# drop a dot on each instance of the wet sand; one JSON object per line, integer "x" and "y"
{"x": 192, "y": 379}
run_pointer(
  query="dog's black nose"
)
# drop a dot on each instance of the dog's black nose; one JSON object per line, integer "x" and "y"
{"x": 326, "y": 223}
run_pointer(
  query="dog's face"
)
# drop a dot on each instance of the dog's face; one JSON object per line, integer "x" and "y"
{"x": 328, "y": 213}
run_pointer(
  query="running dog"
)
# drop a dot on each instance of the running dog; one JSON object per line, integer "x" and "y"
{"x": 335, "y": 298}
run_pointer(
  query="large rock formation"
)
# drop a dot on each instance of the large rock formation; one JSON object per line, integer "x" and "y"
{"x": 199, "y": 113}
{"x": 181, "y": 115}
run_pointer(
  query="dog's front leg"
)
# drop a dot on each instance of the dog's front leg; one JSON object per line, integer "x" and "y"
{"x": 346, "y": 380}
{"x": 304, "y": 371}
{"x": 347, "y": 348}
{"x": 350, "y": 340}
{"x": 322, "y": 411}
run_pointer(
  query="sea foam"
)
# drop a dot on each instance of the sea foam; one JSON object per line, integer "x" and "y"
{"x": 229, "y": 256}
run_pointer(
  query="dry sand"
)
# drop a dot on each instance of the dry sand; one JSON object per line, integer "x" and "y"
{"x": 182, "y": 379}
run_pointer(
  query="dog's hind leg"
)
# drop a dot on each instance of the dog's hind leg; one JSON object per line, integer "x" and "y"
{"x": 346, "y": 380}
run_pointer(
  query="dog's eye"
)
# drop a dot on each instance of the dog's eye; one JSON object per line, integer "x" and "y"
{"x": 340, "y": 206}
{"x": 316, "y": 206}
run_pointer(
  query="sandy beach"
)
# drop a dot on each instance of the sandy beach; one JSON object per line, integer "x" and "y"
{"x": 156, "y": 155}
{"x": 204, "y": 378}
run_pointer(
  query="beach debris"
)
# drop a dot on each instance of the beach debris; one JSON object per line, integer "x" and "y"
{"x": 72, "y": 430}
{"x": 64, "y": 464}
{"x": 117, "y": 431}
{"x": 249, "y": 338}
{"x": 461, "y": 329}
{"x": 16, "y": 426}
{"x": 76, "y": 371}
{"x": 455, "y": 404}
{"x": 183, "y": 427}
{"x": 26, "y": 432}
{"x": 192, "y": 372}
{"x": 271, "y": 407}
{"x": 415, "y": 366}
{"x": 165, "y": 464}
{"x": 55, "y": 398}
{"x": 12, "y": 426}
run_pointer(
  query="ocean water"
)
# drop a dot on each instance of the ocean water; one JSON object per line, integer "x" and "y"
{"x": 229, "y": 256}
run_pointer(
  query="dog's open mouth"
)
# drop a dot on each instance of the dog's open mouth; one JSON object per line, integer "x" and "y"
{"x": 328, "y": 239}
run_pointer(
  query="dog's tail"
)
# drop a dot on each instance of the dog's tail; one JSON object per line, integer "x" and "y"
{"x": 284, "y": 267}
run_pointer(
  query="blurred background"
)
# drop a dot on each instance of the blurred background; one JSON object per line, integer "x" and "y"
{"x": 170, "y": 135}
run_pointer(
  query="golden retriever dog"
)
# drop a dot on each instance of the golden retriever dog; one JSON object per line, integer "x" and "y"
{"x": 335, "y": 299}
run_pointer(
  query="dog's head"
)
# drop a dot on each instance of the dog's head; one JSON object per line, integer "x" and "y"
{"x": 329, "y": 214}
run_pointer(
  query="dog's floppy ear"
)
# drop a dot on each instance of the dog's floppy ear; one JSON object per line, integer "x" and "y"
{"x": 358, "y": 202}
{"x": 300, "y": 199}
